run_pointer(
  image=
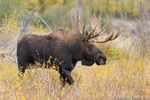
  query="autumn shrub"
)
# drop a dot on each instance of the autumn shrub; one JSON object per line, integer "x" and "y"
{"x": 141, "y": 33}
{"x": 9, "y": 32}
{"x": 7, "y": 7}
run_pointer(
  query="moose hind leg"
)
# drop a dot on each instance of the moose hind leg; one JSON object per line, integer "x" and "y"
{"x": 21, "y": 68}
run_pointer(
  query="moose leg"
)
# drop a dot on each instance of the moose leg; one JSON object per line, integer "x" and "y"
{"x": 66, "y": 75}
{"x": 62, "y": 80}
{"x": 21, "y": 72}
{"x": 21, "y": 68}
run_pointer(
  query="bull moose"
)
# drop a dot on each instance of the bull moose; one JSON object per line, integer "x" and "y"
{"x": 64, "y": 46}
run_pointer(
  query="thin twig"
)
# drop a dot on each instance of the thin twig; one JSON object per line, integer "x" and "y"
{"x": 111, "y": 60}
{"x": 36, "y": 14}
{"x": 10, "y": 58}
{"x": 22, "y": 32}
{"x": 44, "y": 22}
{"x": 9, "y": 30}
{"x": 75, "y": 4}
{"x": 97, "y": 5}
{"x": 12, "y": 64}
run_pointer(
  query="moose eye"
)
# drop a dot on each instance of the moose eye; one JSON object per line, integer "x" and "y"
{"x": 90, "y": 46}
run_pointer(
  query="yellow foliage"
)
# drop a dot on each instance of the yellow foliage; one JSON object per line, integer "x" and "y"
{"x": 126, "y": 77}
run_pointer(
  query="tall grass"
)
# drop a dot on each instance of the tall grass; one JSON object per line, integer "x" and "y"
{"x": 127, "y": 78}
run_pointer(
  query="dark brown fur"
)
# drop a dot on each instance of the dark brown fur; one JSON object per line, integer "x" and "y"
{"x": 61, "y": 45}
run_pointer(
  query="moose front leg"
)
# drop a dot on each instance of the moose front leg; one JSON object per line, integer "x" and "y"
{"x": 66, "y": 75}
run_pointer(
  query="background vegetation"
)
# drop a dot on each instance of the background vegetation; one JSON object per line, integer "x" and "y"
{"x": 126, "y": 75}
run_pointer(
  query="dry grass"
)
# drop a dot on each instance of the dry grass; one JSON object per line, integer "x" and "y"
{"x": 124, "y": 79}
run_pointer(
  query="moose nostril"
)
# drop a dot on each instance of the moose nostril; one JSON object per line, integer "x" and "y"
{"x": 103, "y": 59}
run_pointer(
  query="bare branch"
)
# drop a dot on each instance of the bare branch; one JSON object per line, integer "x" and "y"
{"x": 9, "y": 30}
{"x": 45, "y": 22}
{"x": 22, "y": 32}
{"x": 75, "y": 4}
{"x": 36, "y": 14}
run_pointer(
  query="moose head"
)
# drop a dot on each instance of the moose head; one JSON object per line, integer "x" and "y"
{"x": 90, "y": 51}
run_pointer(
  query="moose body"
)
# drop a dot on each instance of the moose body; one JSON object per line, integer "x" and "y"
{"x": 63, "y": 48}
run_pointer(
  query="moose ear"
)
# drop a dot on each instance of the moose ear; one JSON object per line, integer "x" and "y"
{"x": 87, "y": 62}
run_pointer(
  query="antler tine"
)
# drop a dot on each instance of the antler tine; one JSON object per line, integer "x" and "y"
{"x": 103, "y": 30}
{"x": 118, "y": 33}
{"x": 100, "y": 33}
{"x": 84, "y": 30}
{"x": 107, "y": 39}
{"x": 75, "y": 22}
{"x": 92, "y": 32}
{"x": 94, "y": 22}
{"x": 110, "y": 37}
{"x": 78, "y": 20}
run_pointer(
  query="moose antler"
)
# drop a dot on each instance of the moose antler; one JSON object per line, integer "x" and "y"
{"x": 94, "y": 22}
{"x": 96, "y": 32}
{"x": 76, "y": 26}
{"x": 75, "y": 22}
{"x": 100, "y": 32}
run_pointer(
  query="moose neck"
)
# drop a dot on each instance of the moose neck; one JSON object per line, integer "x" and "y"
{"x": 76, "y": 49}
